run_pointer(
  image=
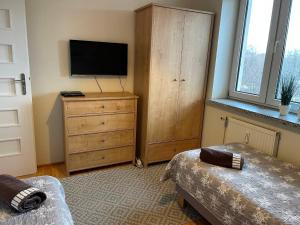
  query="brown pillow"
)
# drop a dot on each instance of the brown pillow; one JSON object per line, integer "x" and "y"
{"x": 222, "y": 158}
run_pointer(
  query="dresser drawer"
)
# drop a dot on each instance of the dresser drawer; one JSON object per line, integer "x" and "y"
{"x": 92, "y": 142}
{"x": 93, "y": 124}
{"x": 99, "y": 107}
{"x": 166, "y": 151}
{"x": 100, "y": 158}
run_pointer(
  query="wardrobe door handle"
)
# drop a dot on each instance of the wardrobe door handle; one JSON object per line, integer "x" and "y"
{"x": 183, "y": 80}
{"x": 175, "y": 79}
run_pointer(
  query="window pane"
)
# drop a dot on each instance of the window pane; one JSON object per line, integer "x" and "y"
{"x": 255, "y": 41}
{"x": 291, "y": 59}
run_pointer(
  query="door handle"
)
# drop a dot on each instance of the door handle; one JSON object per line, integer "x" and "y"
{"x": 175, "y": 79}
{"x": 23, "y": 83}
{"x": 183, "y": 80}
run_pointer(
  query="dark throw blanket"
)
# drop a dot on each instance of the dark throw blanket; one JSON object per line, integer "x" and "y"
{"x": 19, "y": 195}
{"x": 222, "y": 158}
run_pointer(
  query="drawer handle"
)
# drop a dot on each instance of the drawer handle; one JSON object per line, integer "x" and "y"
{"x": 103, "y": 157}
{"x": 102, "y": 141}
{"x": 102, "y": 106}
{"x": 102, "y": 123}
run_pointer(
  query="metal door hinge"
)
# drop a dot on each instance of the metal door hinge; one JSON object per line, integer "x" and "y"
{"x": 23, "y": 83}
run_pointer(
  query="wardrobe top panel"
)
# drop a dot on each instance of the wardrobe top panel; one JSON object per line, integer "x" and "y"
{"x": 173, "y": 7}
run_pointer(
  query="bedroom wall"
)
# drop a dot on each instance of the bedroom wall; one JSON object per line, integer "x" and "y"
{"x": 50, "y": 24}
{"x": 214, "y": 128}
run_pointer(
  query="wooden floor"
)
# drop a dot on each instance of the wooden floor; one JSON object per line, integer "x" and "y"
{"x": 55, "y": 170}
{"x": 58, "y": 171}
{"x": 196, "y": 223}
{"x": 200, "y": 222}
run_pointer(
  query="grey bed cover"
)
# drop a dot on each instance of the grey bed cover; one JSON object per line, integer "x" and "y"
{"x": 266, "y": 191}
{"x": 54, "y": 211}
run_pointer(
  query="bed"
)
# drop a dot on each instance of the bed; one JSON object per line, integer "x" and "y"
{"x": 266, "y": 191}
{"x": 54, "y": 210}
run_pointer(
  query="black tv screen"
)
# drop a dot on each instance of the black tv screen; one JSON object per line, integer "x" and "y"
{"x": 98, "y": 58}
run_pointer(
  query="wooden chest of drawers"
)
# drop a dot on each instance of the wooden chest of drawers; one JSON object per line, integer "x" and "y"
{"x": 100, "y": 129}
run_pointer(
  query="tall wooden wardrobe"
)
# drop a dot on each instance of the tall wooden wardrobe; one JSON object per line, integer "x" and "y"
{"x": 171, "y": 60}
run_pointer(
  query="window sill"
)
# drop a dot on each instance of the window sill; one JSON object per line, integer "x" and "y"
{"x": 291, "y": 120}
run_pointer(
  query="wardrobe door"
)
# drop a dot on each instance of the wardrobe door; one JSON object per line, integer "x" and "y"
{"x": 167, "y": 36}
{"x": 193, "y": 75}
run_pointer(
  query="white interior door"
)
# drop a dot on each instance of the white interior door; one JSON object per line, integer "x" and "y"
{"x": 17, "y": 151}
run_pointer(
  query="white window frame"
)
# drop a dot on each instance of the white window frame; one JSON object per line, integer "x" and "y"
{"x": 274, "y": 54}
{"x": 278, "y": 56}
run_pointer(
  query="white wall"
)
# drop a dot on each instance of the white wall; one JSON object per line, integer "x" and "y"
{"x": 50, "y": 24}
{"x": 214, "y": 128}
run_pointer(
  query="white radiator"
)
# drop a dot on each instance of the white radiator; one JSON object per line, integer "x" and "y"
{"x": 261, "y": 138}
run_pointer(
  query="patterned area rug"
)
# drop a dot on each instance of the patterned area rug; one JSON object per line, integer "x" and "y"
{"x": 124, "y": 195}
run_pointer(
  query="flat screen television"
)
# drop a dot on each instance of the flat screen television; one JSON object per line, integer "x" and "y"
{"x": 98, "y": 58}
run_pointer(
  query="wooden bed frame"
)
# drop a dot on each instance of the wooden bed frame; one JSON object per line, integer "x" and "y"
{"x": 183, "y": 197}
